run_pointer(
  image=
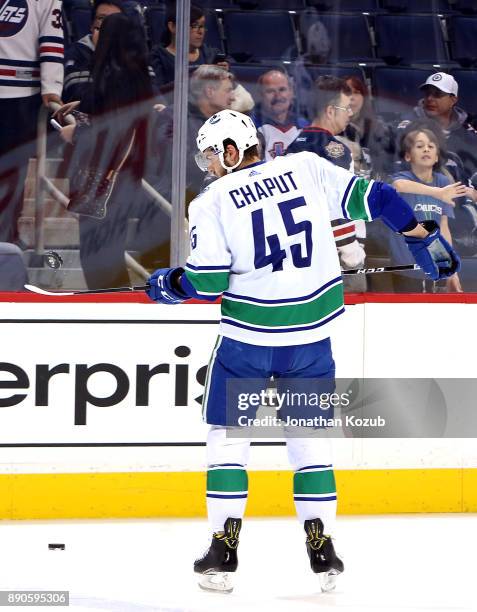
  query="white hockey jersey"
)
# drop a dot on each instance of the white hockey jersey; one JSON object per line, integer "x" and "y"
{"x": 277, "y": 138}
{"x": 262, "y": 238}
{"x": 31, "y": 48}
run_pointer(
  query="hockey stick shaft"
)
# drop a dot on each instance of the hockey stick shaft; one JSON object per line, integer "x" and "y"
{"x": 380, "y": 269}
{"x": 40, "y": 291}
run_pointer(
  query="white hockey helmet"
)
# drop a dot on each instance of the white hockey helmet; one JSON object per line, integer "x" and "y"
{"x": 226, "y": 124}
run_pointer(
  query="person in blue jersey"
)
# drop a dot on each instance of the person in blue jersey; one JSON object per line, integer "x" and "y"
{"x": 332, "y": 112}
{"x": 261, "y": 238}
{"x": 431, "y": 195}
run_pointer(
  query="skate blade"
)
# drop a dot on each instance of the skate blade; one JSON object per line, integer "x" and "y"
{"x": 328, "y": 580}
{"x": 216, "y": 582}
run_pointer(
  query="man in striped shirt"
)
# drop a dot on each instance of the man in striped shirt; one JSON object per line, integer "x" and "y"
{"x": 261, "y": 238}
{"x": 31, "y": 73}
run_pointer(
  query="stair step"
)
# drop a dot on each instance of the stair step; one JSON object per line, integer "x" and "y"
{"x": 57, "y": 231}
{"x": 52, "y": 166}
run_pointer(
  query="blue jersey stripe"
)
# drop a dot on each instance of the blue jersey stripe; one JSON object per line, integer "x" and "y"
{"x": 315, "y": 499}
{"x": 51, "y": 58}
{"x": 19, "y": 63}
{"x": 345, "y": 197}
{"x": 316, "y": 467}
{"x": 284, "y": 301}
{"x": 282, "y": 330}
{"x": 225, "y": 267}
{"x": 214, "y": 495}
{"x": 17, "y": 83}
{"x": 214, "y": 465}
{"x": 53, "y": 39}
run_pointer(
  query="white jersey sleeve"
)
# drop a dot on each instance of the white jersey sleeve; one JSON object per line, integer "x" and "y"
{"x": 208, "y": 265}
{"x": 347, "y": 195}
{"x": 51, "y": 49}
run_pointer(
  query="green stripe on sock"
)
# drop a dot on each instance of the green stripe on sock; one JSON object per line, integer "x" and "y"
{"x": 227, "y": 480}
{"x": 356, "y": 204}
{"x": 314, "y": 482}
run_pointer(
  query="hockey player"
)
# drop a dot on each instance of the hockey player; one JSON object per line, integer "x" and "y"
{"x": 261, "y": 238}
{"x": 31, "y": 72}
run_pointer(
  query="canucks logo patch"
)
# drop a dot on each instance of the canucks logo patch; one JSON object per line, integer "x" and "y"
{"x": 13, "y": 16}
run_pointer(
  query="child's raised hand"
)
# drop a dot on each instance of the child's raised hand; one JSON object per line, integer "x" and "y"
{"x": 450, "y": 192}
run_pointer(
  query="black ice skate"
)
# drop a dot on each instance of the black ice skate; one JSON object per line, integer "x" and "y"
{"x": 220, "y": 561}
{"x": 323, "y": 559}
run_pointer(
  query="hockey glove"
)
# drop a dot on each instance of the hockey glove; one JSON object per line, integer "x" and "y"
{"x": 162, "y": 286}
{"x": 433, "y": 253}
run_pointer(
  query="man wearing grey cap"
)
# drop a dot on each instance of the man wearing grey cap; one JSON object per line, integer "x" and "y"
{"x": 438, "y": 109}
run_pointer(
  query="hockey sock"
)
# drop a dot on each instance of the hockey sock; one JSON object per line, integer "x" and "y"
{"x": 227, "y": 490}
{"x": 314, "y": 492}
{"x": 314, "y": 488}
{"x": 227, "y": 480}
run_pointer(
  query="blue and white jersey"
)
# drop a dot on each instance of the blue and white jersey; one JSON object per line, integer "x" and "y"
{"x": 425, "y": 208}
{"x": 262, "y": 237}
{"x": 31, "y": 48}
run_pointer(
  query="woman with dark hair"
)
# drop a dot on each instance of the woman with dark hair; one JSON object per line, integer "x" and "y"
{"x": 368, "y": 131}
{"x": 163, "y": 56}
{"x": 110, "y": 144}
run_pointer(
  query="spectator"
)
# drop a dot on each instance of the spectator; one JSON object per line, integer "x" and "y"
{"x": 211, "y": 89}
{"x": 373, "y": 155}
{"x": 116, "y": 104}
{"x": 79, "y": 55}
{"x": 31, "y": 52}
{"x": 332, "y": 113}
{"x": 275, "y": 116}
{"x": 431, "y": 196}
{"x": 439, "y": 106}
{"x": 163, "y": 56}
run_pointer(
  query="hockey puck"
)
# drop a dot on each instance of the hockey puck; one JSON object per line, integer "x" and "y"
{"x": 53, "y": 260}
{"x": 56, "y": 547}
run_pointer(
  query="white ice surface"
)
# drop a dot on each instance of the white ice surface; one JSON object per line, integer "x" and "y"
{"x": 406, "y": 563}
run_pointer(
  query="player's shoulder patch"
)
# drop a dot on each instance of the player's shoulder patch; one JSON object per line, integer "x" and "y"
{"x": 334, "y": 149}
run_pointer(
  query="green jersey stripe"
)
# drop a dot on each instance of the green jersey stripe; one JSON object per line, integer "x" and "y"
{"x": 357, "y": 203}
{"x": 314, "y": 482}
{"x": 288, "y": 315}
{"x": 227, "y": 480}
{"x": 208, "y": 282}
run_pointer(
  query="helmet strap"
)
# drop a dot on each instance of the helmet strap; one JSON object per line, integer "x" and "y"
{"x": 230, "y": 168}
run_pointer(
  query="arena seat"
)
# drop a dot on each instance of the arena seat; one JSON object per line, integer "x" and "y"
{"x": 213, "y": 38}
{"x": 80, "y": 19}
{"x": 155, "y": 17}
{"x": 344, "y": 6}
{"x": 275, "y": 5}
{"x": 349, "y": 35}
{"x": 259, "y": 36}
{"x": 13, "y": 271}
{"x": 467, "y": 81}
{"x": 463, "y": 40}
{"x": 410, "y": 39}
{"x": 467, "y": 7}
{"x": 421, "y": 6}
{"x": 396, "y": 90}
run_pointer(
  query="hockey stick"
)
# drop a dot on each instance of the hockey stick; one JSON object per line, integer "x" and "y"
{"x": 40, "y": 291}
{"x": 380, "y": 269}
